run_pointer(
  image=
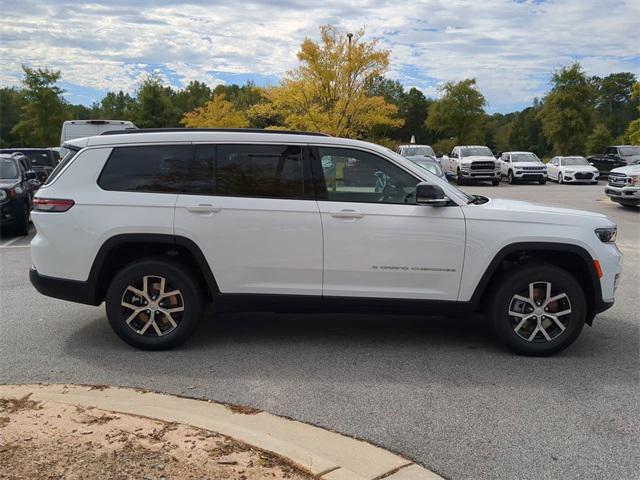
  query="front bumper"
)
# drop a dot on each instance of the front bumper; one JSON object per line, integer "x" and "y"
{"x": 10, "y": 213}
{"x": 577, "y": 178}
{"x": 480, "y": 174}
{"x": 626, "y": 194}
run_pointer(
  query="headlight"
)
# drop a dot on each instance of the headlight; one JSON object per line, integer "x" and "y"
{"x": 607, "y": 235}
{"x": 3, "y": 195}
{"x": 635, "y": 180}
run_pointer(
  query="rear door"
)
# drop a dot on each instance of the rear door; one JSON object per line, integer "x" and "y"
{"x": 377, "y": 241}
{"x": 251, "y": 210}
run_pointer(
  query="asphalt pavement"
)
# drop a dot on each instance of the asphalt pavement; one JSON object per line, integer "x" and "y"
{"x": 441, "y": 391}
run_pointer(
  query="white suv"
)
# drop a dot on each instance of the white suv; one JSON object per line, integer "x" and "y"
{"x": 156, "y": 224}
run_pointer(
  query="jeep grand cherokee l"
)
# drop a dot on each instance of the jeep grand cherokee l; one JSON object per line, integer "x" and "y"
{"x": 158, "y": 223}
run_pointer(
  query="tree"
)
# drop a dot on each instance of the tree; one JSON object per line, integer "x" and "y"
{"x": 567, "y": 112}
{"x": 599, "y": 139}
{"x": 154, "y": 107}
{"x": 11, "y": 103}
{"x": 328, "y": 91}
{"x": 243, "y": 97}
{"x": 193, "y": 96}
{"x": 633, "y": 131}
{"x": 117, "y": 106}
{"x": 217, "y": 113}
{"x": 413, "y": 110}
{"x": 614, "y": 103}
{"x": 526, "y": 132}
{"x": 43, "y": 111}
{"x": 459, "y": 113}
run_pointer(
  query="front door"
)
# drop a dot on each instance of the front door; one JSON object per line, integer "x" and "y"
{"x": 246, "y": 207}
{"x": 377, "y": 241}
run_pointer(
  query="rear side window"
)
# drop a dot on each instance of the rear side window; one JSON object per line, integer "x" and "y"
{"x": 273, "y": 171}
{"x": 71, "y": 153}
{"x": 149, "y": 168}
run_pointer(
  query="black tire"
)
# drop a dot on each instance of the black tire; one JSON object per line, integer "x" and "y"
{"x": 559, "y": 178}
{"x": 495, "y": 182}
{"x": 510, "y": 178}
{"x": 22, "y": 225}
{"x": 515, "y": 282}
{"x": 543, "y": 181}
{"x": 177, "y": 277}
{"x": 459, "y": 179}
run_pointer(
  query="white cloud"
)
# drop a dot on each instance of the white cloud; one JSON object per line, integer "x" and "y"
{"x": 510, "y": 47}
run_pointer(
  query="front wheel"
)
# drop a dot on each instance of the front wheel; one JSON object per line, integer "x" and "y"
{"x": 22, "y": 225}
{"x": 538, "y": 310}
{"x": 543, "y": 181}
{"x": 153, "y": 304}
{"x": 510, "y": 178}
{"x": 459, "y": 179}
{"x": 560, "y": 178}
{"x": 495, "y": 182}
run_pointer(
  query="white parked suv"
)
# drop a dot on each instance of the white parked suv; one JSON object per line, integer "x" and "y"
{"x": 523, "y": 167}
{"x": 574, "y": 169}
{"x": 624, "y": 185}
{"x": 156, "y": 224}
{"x": 472, "y": 162}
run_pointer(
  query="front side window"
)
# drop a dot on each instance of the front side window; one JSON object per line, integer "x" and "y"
{"x": 271, "y": 171}
{"x": 148, "y": 168}
{"x": 357, "y": 176}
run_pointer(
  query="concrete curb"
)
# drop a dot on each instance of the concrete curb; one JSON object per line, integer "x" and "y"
{"x": 326, "y": 454}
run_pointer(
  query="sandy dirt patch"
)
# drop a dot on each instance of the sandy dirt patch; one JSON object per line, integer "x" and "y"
{"x": 52, "y": 440}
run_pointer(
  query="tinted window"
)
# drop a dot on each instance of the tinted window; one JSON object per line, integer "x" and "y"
{"x": 273, "y": 171}
{"x": 153, "y": 168}
{"x": 199, "y": 178}
{"x": 357, "y": 176}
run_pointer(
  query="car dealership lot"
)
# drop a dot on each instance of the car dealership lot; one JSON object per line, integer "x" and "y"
{"x": 440, "y": 390}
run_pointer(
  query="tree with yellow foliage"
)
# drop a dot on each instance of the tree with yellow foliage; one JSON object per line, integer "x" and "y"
{"x": 216, "y": 113}
{"x": 327, "y": 92}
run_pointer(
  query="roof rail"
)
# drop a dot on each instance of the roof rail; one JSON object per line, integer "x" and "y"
{"x": 246, "y": 130}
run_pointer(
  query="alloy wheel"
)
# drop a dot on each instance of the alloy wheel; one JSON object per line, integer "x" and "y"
{"x": 152, "y": 307}
{"x": 541, "y": 313}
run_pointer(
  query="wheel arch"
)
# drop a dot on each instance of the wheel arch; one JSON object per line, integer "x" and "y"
{"x": 573, "y": 258}
{"x": 120, "y": 250}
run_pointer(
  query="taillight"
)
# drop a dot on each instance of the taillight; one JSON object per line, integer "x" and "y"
{"x": 52, "y": 204}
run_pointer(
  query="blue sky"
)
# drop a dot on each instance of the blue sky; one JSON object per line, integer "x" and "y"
{"x": 510, "y": 47}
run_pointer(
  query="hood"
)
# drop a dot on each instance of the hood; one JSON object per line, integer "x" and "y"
{"x": 9, "y": 183}
{"x": 478, "y": 158}
{"x": 528, "y": 164}
{"x": 499, "y": 209}
{"x": 628, "y": 170}
{"x": 579, "y": 168}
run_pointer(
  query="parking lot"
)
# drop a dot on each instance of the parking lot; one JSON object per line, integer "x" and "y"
{"x": 439, "y": 390}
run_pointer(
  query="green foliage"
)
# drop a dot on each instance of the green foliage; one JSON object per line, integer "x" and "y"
{"x": 11, "y": 103}
{"x": 43, "y": 110}
{"x": 117, "y": 106}
{"x": 459, "y": 113}
{"x": 154, "y": 107}
{"x": 599, "y": 139}
{"x": 633, "y": 131}
{"x": 567, "y": 112}
{"x": 615, "y": 106}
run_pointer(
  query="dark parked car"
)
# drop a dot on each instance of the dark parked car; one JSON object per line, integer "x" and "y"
{"x": 43, "y": 160}
{"x": 17, "y": 188}
{"x": 614, "y": 157}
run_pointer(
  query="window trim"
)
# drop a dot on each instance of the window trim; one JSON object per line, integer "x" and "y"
{"x": 321, "y": 184}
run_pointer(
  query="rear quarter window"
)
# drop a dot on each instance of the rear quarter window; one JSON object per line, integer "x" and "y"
{"x": 148, "y": 168}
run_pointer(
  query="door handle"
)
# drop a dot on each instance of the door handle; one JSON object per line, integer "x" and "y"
{"x": 347, "y": 214}
{"x": 203, "y": 208}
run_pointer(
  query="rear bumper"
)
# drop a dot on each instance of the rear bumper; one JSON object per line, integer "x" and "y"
{"x": 64, "y": 289}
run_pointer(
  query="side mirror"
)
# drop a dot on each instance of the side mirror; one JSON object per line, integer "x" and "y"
{"x": 30, "y": 175}
{"x": 591, "y": 163}
{"x": 433, "y": 195}
{"x": 445, "y": 157}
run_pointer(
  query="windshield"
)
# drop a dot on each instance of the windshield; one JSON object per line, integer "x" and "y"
{"x": 629, "y": 150}
{"x": 574, "y": 161}
{"x": 8, "y": 169}
{"x": 524, "y": 157}
{"x": 476, "y": 152}
{"x": 424, "y": 151}
{"x": 429, "y": 166}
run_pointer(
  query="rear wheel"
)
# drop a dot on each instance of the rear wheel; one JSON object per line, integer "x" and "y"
{"x": 538, "y": 310}
{"x": 154, "y": 304}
